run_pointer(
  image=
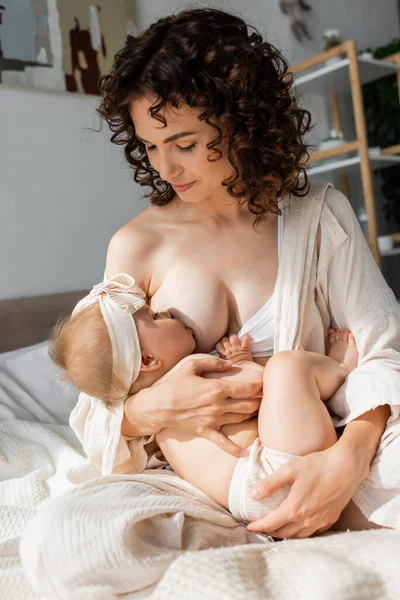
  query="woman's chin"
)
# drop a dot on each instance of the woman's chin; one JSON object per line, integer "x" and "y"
{"x": 190, "y": 198}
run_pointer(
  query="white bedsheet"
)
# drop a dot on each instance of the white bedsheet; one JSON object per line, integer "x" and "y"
{"x": 31, "y": 388}
{"x": 39, "y": 461}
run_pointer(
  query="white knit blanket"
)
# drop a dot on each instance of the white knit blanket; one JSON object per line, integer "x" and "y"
{"x": 36, "y": 462}
{"x": 178, "y": 537}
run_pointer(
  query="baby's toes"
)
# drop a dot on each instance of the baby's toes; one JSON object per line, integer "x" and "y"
{"x": 331, "y": 335}
{"x": 344, "y": 335}
{"x": 340, "y": 334}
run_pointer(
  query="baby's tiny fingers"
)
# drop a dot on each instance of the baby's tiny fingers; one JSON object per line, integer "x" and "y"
{"x": 225, "y": 342}
{"x": 246, "y": 342}
{"x": 234, "y": 340}
{"x": 219, "y": 348}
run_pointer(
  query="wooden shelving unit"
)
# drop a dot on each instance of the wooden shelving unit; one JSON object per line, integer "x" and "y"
{"x": 341, "y": 71}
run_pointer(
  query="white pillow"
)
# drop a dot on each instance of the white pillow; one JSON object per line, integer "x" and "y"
{"x": 31, "y": 388}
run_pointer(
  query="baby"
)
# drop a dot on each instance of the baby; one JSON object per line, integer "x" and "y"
{"x": 114, "y": 345}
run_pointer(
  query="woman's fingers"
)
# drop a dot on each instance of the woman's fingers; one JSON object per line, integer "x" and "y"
{"x": 322, "y": 529}
{"x": 203, "y": 365}
{"x": 223, "y": 442}
{"x": 292, "y": 532}
{"x": 274, "y": 482}
{"x": 242, "y": 406}
{"x": 283, "y": 515}
{"x": 274, "y": 521}
{"x": 232, "y": 417}
{"x": 241, "y": 389}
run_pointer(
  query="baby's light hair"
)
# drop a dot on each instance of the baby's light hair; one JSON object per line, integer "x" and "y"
{"x": 80, "y": 345}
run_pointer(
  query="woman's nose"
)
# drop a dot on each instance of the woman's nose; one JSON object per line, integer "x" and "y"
{"x": 169, "y": 170}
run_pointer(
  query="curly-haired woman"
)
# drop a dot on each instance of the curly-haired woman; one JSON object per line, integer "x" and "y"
{"x": 237, "y": 240}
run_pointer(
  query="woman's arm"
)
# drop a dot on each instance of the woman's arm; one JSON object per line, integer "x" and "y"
{"x": 358, "y": 298}
{"x": 361, "y": 437}
{"x": 323, "y": 482}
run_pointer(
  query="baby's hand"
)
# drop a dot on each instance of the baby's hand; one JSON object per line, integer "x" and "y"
{"x": 233, "y": 349}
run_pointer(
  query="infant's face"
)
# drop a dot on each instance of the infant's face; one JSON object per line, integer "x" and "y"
{"x": 163, "y": 336}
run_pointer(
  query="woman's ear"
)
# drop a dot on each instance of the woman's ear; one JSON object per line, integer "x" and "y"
{"x": 149, "y": 363}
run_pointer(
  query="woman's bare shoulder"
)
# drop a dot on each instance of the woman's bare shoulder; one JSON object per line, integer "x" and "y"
{"x": 132, "y": 248}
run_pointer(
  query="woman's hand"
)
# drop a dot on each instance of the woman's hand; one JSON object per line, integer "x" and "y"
{"x": 187, "y": 401}
{"x": 321, "y": 483}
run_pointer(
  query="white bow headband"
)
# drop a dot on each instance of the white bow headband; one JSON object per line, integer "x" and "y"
{"x": 118, "y": 298}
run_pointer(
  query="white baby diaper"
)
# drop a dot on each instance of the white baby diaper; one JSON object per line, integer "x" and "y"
{"x": 262, "y": 461}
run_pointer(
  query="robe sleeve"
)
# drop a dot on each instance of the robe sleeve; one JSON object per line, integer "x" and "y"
{"x": 359, "y": 299}
{"x": 98, "y": 428}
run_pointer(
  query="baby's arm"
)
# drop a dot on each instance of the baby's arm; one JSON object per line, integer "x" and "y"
{"x": 239, "y": 352}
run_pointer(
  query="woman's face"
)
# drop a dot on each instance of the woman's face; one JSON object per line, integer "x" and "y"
{"x": 178, "y": 152}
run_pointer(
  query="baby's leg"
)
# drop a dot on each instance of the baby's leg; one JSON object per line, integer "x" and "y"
{"x": 292, "y": 416}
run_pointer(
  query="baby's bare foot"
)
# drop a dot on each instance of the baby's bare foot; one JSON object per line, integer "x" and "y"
{"x": 342, "y": 348}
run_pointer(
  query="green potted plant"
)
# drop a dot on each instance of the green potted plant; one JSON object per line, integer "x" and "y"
{"x": 331, "y": 38}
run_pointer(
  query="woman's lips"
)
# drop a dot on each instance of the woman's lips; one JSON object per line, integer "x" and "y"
{"x": 182, "y": 188}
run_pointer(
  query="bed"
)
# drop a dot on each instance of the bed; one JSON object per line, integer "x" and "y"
{"x": 35, "y": 439}
{"x": 37, "y": 449}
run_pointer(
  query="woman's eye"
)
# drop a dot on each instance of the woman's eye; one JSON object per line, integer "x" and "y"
{"x": 180, "y": 148}
{"x": 187, "y": 148}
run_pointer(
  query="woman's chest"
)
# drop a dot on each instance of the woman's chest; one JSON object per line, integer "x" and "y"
{"x": 215, "y": 287}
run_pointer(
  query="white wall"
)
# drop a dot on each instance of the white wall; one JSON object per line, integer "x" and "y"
{"x": 63, "y": 192}
{"x": 369, "y": 22}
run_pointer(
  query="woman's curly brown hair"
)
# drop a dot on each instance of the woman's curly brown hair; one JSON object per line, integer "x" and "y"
{"x": 206, "y": 58}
